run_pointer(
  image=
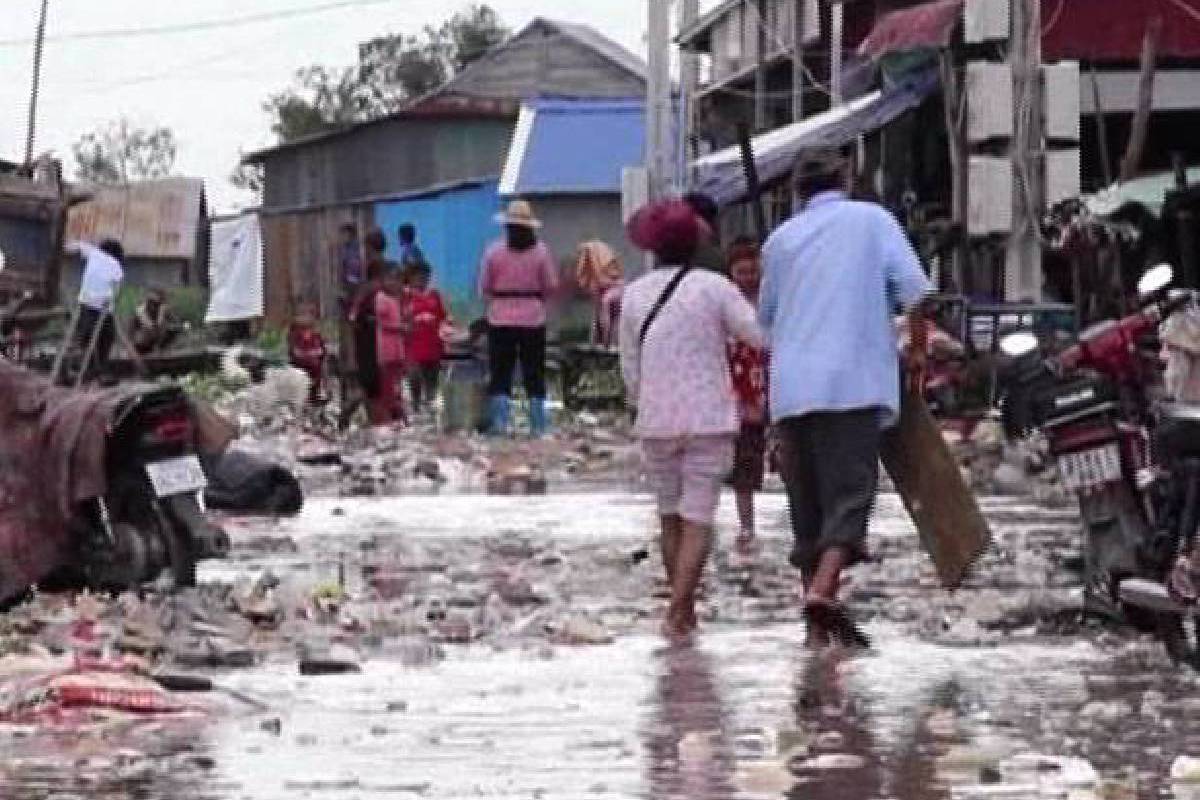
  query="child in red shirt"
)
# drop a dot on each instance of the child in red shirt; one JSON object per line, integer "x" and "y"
{"x": 424, "y": 342}
{"x": 391, "y": 319}
{"x": 306, "y": 348}
{"x": 749, "y": 368}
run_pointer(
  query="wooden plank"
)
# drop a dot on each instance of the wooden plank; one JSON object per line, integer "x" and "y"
{"x": 927, "y": 476}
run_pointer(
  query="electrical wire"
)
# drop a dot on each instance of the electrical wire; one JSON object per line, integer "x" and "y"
{"x": 192, "y": 27}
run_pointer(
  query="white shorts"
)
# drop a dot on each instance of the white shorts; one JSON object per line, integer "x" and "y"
{"x": 687, "y": 473}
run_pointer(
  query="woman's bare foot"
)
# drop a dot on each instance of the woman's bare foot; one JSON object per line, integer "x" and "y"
{"x": 680, "y": 623}
{"x": 746, "y": 544}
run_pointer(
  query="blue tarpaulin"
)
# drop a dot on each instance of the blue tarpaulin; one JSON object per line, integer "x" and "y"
{"x": 454, "y": 225}
{"x": 574, "y": 147}
{"x": 721, "y": 176}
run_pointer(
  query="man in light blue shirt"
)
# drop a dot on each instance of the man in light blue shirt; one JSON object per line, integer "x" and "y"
{"x": 835, "y": 273}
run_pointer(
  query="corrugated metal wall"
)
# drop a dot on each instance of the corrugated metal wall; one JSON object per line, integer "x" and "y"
{"x": 386, "y": 158}
{"x": 453, "y": 229}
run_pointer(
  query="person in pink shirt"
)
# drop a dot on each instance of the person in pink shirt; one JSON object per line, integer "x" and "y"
{"x": 518, "y": 277}
{"x": 391, "y": 326}
{"x": 676, "y": 323}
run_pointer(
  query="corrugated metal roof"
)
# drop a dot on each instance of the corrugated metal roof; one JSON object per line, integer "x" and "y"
{"x": 720, "y": 174}
{"x": 152, "y": 219}
{"x": 930, "y": 25}
{"x": 449, "y": 107}
{"x": 446, "y": 102}
{"x": 574, "y": 147}
{"x": 592, "y": 38}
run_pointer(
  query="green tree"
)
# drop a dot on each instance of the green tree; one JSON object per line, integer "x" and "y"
{"x": 391, "y": 71}
{"x": 120, "y": 153}
{"x": 320, "y": 100}
{"x": 470, "y": 34}
{"x": 249, "y": 178}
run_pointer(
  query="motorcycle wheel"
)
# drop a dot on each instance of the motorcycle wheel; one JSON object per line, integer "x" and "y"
{"x": 181, "y": 555}
{"x": 131, "y": 561}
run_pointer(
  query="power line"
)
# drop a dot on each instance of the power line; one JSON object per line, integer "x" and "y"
{"x": 192, "y": 27}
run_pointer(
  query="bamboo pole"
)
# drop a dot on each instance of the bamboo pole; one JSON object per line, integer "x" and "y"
{"x": 1101, "y": 130}
{"x": 1136, "y": 148}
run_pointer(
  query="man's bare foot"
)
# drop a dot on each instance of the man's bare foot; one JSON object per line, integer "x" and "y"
{"x": 816, "y": 638}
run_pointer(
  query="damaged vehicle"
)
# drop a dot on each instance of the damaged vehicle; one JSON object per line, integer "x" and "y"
{"x": 1127, "y": 445}
{"x": 101, "y": 488}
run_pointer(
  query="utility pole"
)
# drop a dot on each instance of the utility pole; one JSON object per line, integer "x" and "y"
{"x": 659, "y": 160}
{"x": 689, "y": 73}
{"x": 798, "y": 14}
{"x": 1024, "y": 272}
{"x": 39, "y": 44}
{"x": 760, "y": 67}
{"x": 837, "y": 39}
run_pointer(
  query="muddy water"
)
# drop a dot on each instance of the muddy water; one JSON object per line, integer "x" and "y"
{"x": 745, "y": 712}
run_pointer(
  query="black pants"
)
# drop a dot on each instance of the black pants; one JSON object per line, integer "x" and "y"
{"x": 507, "y": 347}
{"x": 830, "y": 465}
{"x": 89, "y": 318}
{"x": 423, "y": 383}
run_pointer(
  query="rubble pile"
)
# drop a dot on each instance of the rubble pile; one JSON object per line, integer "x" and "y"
{"x": 993, "y": 466}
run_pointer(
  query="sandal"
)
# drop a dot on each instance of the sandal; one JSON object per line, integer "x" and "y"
{"x": 833, "y": 618}
{"x": 1181, "y": 582}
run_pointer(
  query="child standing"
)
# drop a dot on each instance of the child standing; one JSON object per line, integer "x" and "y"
{"x": 749, "y": 367}
{"x": 391, "y": 325}
{"x": 306, "y": 348}
{"x": 424, "y": 343}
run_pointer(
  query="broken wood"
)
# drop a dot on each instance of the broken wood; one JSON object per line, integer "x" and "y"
{"x": 1140, "y": 129}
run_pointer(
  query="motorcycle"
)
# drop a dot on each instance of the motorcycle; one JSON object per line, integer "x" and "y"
{"x": 73, "y": 519}
{"x": 1098, "y": 408}
{"x": 150, "y": 519}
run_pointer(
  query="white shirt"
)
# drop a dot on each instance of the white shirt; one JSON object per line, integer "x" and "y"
{"x": 680, "y": 380}
{"x": 101, "y": 275}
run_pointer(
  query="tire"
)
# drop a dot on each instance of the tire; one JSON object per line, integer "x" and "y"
{"x": 182, "y": 559}
{"x": 181, "y": 554}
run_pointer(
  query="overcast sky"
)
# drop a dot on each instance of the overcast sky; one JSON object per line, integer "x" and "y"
{"x": 208, "y": 85}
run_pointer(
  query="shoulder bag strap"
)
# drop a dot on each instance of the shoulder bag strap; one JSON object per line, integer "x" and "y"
{"x": 667, "y": 291}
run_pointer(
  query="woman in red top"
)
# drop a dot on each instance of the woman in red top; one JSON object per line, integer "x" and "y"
{"x": 749, "y": 367}
{"x": 306, "y": 348}
{"x": 391, "y": 326}
{"x": 424, "y": 342}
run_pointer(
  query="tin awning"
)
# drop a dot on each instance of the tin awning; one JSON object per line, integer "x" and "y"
{"x": 927, "y": 26}
{"x": 720, "y": 174}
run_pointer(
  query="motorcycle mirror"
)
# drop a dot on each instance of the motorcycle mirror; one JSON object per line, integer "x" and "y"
{"x": 1156, "y": 279}
{"x": 1018, "y": 344}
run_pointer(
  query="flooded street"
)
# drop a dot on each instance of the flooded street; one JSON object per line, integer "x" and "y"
{"x": 564, "y": 690}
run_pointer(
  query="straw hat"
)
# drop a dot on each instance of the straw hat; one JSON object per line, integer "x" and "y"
{"x": 519, "y": 213}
